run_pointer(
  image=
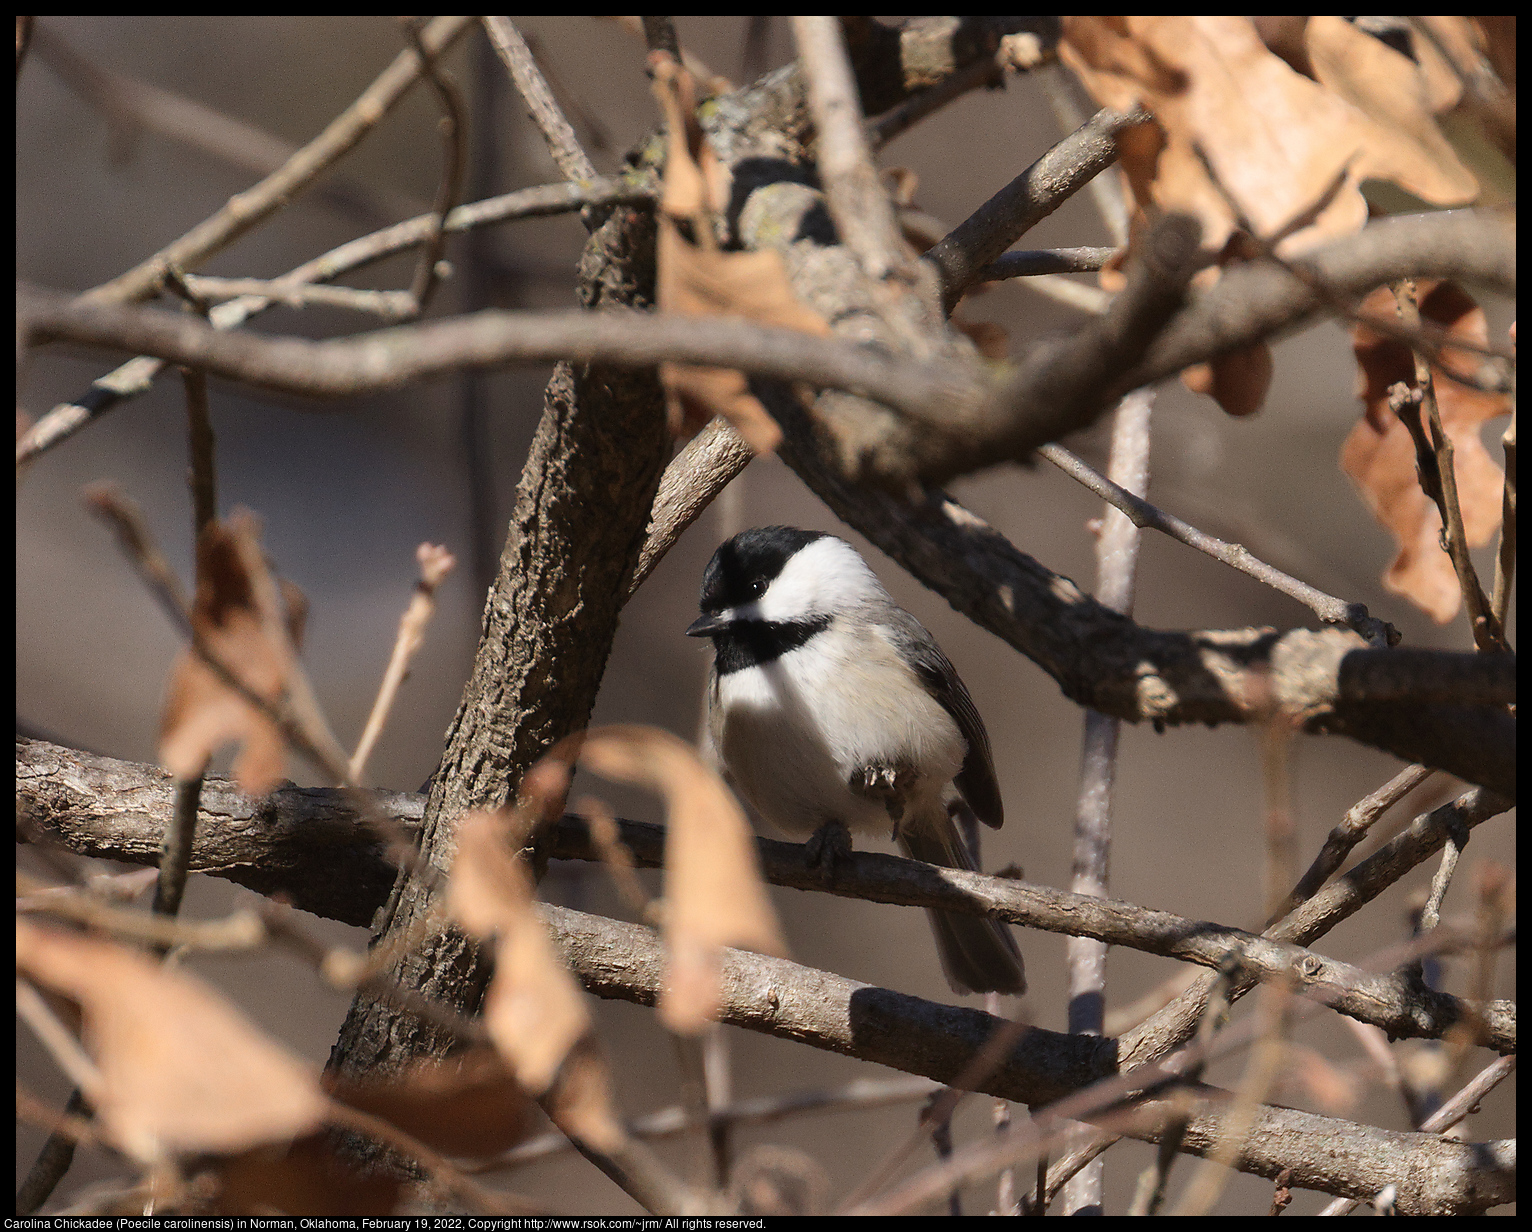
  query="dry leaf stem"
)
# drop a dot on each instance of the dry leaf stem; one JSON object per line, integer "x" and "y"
{"x": 1438, "y": 476}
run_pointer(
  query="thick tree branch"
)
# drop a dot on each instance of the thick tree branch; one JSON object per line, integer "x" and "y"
{"x": 79, "y": 800}
{"x": 1106, "y": 662}
{"x": 780, "y": 998}
{"x": 578, "y": 526}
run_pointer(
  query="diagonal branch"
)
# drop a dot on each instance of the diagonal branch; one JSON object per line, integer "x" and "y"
{"x": 1027, "y": 200}
{"x": 137, "y": 375}
{"x": 779, "y": 998}
{"x": 250, "y": 208}
{"x": 544, "y": 109}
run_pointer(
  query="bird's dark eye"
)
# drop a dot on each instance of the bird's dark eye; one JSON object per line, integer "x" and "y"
{"x": 757, "y": 588}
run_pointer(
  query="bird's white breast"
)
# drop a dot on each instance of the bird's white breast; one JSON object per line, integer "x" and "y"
{"x": 791, "y": 732}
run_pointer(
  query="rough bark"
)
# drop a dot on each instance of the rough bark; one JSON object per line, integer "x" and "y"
{"x": 581, "y": 511}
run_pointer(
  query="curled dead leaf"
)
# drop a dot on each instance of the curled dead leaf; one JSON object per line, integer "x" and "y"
{"x": 1276, "y": 139}
{"x": 534, "y": 1010}
{"x": 252, "y": 626}
{"x": 469, "y": 1105}
{"x": 1379, "y": 454}
{"x": 180, "y": 1070}
{"x": 310, "y": 1178}
{"x": 1238, "y": 381}
{"x": 714, "y": 892}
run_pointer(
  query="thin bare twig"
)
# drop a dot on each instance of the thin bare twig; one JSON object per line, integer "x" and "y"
{"x": 297, "y": 715}
{"x": 1117, "y": 543}
{"x": 1105, "y": 190}
{"x": 860, "y": 1094}
{"x": 982, "y": 71}
{"x": 1439, "y": 478}
{"x": 1027, "y": 200}
{"x": 137, "y": 375}
{"x": 394, "y": 305}
{"x": 1077, "y": 295}
{"x": 1350, "y": 831}
{"x": 1452, "y": 1112}
{"x": 1505, "y": 555}
{"x": 858, "y": 202}
{"x": 1431, "y": 913}
{"x": 131, "y": 105}
{"x": 543, "y": 108}
{"x": 1046, "y": 261}
{"x": 1151, "y": 1184}
{"x": 1261, "y": 1074}
{"x": 58, "y": 1039}
{"x": 1236, "y": 556}
{"x": 440, "y": 1175}
{"x": 435, "y": 563}
{"x": 454, "y": 128}
{"x": 367, "y": 363}
{"x": 248, "y": 209}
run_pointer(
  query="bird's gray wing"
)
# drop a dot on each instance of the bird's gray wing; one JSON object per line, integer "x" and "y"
{"x": 976, "y": 780}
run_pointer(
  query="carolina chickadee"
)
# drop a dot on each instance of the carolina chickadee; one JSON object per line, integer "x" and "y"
{"x": 831, "y": 707}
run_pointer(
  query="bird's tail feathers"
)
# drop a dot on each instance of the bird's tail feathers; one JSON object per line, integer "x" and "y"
{"x": 977, "y": 954}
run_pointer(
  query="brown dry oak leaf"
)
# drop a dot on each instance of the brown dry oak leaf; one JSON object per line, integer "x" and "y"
{"x": 252, "y": 625}
{"x": 534, "y": 1010}
{"x": 179, "y": 1070}
{"x": 469, "y": 1105}
{"x": 1276, "y": 139}
{"x": 697, "y": 278}
{"x": 1379, "y": 454}
{"x": 714, "y": 892}
{"x": 311, "y": 1177}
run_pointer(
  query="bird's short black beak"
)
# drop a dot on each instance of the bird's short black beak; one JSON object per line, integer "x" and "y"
{"x": 706, "y": 625}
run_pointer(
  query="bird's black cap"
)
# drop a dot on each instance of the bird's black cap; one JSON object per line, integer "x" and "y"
{"x": 744, "y": 566}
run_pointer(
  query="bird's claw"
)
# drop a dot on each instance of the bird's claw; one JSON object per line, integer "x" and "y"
{"x": 890, "y": 784}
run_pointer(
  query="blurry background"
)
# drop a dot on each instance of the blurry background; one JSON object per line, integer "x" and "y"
{"x": 347, "y": 490}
